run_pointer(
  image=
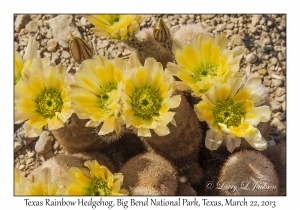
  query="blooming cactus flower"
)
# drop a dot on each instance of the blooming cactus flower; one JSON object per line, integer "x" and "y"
{"x": 96, "y": 93}
{"x": 41, "y": 97}
{"x": 233, "y": 111}
{"x": 118, "y": 27}
{"x": 147, "y": 97}
{"x": 98, "y": 180}
{"x": 203, "y": 61}
{"x": 41, "y": 185}
{"x": 21, "y": 63}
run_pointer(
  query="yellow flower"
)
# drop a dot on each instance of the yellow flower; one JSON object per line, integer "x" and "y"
{"x": 147, "y": 97}
{"x": 234, "y": 112}
{"x": 203, "y": 60}
{"x": 18, "y": 61}
{"x": 41, "y": 97}
{"x": 21, "y": 63}
{"x": 115, "y": 26}
{"x": 41, "y": 185}
{"x": 96, "y": 93}
{"x": 98, "y": 180}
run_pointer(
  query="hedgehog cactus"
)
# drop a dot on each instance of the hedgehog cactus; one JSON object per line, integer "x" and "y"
{"x": 144, "y": 46}
{"x": 184, "y": 140}
{"x": 76, "y": 137}
{"x": 149, "y": 174}
{"x": 186, "y": 33}
{"x": 60, "y": 163}
{"x": 248, "y": 173}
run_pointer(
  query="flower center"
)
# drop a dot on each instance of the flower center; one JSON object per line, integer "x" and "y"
{"x": 204, "y": 71}
{"x": 48, "y": 102}
{"x": 227, "y": 112}
{"x": 146, "y": 102}
{"x": 103, "y": 99}
{"x": 116, "y": 18}
{"x": 98, "y": 187}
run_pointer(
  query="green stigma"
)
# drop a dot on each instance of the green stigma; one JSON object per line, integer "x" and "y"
{"x": 48, "y": 102}
{"x": 204, "y": 71}
{"x": 227, "y": 112}
{"x": 98, "y": 188}
{"x": 146, "y": 102}
{"x": 115, "y": 18}
{"x": 103, "y": 98}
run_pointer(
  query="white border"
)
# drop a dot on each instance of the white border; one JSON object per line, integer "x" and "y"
{"x": 8, "y": 201}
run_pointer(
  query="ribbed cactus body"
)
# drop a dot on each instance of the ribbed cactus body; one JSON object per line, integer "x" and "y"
{"x": 248, "y": 173}
{"x": 149, "y": 174}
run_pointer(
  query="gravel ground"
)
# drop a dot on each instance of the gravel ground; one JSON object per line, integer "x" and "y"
{"x": 262, "y": 38}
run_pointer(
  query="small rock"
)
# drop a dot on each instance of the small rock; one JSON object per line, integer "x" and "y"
{"x": 236, "y": 40}
{"x": 275, "y": 105}
{"x": 251, "y": 58}
{"x": 267, "y": 41}
{"x": 21, "y": 167}
{"x": 64, "y": 44}
{"x": 280, "y": 116}
{"x": 270, "y": 23}
{"x": 280, "y": 91}
{"x": 233, "y": 20}
{"x": 32, "y": 26}
{"x": 226, "y": 18}
{"x": 252, "y": 29}
{"x": 65, "y": 54}
{"x": 255, "y": 19}
{"x": 281, "y": 98}
{"x": 47, "y": 55}
{"x": 29, "y": 160}
{"x": 18, "y": 146}
{"x": 49, "y": 34}
{"x": 268, "y": 48}
{"x": 220, "y": 27}
{"x": 51, "y": 45}
{"x": 283, "y": 106}
{"x": 83, "y": 21}
{"x": 21, "y": 21}
{"x": 267, "y": 82}
{"x": 182, "y": 21}
{"x": 44, "y": 143}
{"x": 230, "y": 26}
{"x": 207, "y": 16}
{"x": 62, "y": 26}
{"x": 185, "y": 17}
{"x": 31, "y": 154}
{"x": 273, "y": 61}
{"x": 276, "y": 76}
{"x": 21, "y": 137}
{"x": 55, "y": 58}
{"x": 102, "y": 44}
{"x": 262, "y": 71}
{"x": 280, "y": 56}
{"x": 101, "y": 52}
{"x": 147, "y": 18}
{"x": 276, "y": 123}
{"x": 277, "y": 82}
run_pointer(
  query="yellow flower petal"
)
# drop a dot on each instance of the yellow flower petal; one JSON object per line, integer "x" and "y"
{"x": 108, "y": 126}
